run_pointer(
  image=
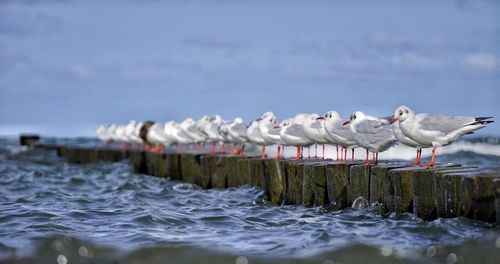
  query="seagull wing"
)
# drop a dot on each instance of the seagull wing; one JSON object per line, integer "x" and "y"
{"x": 442, "y": 123}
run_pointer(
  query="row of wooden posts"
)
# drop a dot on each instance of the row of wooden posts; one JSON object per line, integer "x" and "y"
{"x": 441, "y": 192}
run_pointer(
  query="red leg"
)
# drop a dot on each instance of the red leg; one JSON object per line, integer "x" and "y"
{"x": 417, "y": 159}
{"x": 323, "y": 155}
{"x": 279, "y": 152}
{"x": 366, "y": 160}
{"x": 433, "y": 158}
{"x": 337, "y": 147}
{"x": 352, "y": 154}
{"x": 345, "y": 153}
{"x": 263, "y": 152}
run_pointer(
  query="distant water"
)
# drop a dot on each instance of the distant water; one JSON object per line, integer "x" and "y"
{"x": 53, "y": 212}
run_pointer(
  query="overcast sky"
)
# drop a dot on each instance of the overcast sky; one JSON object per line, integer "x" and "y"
{"x": 67, "y": 66}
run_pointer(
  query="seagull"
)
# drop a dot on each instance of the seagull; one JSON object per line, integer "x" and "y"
{"x": 155, "y": 135}
{"x": 314, "y": 128}
{"x": 189, "y": 126}
{"x": 436, "y": 130}
{"x": 270, "y": 131}
{"x": 179, "y": 136}
{"x": 373, "y": 134}
{"x": 254, "y": 136}
{"x": 120, "y": 136}
{"x": 103, "y": 135}
{"x": 409, "y": 142}
{"x": 238, "y": 132}
{"x": 293, "y": 134}
{"x": 210, "y": 127}
{"x": 337, "y": 133}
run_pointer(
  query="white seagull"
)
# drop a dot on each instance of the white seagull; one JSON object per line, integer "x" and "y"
{"x": 270, "y": 131}
{"x": 436, "y": 130}
{"x": 314, "y": 128}
{"x": 373, "y": 134}
{"x": 293, "y": 135}
{"x": 337, "y": 133}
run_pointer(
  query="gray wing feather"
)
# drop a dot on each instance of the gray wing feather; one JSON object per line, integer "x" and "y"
{"x": 375, "y": 131}
{"x": 445, "y": 124}
{"x": 241, "y": 129}
{"x": 296, "y": 131}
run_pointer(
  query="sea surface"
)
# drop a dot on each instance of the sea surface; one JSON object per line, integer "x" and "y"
{"x": 54, "y": 212}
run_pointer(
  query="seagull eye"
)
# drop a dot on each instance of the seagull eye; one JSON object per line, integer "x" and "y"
{"x": 400, "y": 113}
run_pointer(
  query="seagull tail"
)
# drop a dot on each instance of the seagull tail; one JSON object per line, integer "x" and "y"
{"x": 481, "y": 121}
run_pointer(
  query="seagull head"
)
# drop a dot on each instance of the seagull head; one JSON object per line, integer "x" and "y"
{"x": 356, "y": 116}
{"x": 330, "y": 116}
{"x": 401, "y": 114}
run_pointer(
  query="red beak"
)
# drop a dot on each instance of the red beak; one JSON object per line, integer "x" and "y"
{"x": 320, "y": 118}
{"x": 347, "y": 122}
{"x": 277, "y": 126}
{"x": 393, "y": 120}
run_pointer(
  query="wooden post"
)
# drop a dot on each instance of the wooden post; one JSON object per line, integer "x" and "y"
{"x": 274, "y": 182}
{"x": 257, "y": 173}
{"x": 378, "y": 176}
{"x": 401, "y": 188}
{"x": 320, "y": 193}
{"x": 244, "y": 167}
{"x": 359, "y": 180}
{"x": 191, "y": 167}
{"x": 308, "y": 183}
{"x": 208, "y": 170}
{"x": 173, "y": 166}
{"x": 233, "y": 171}
{"x": 337, "y": 184}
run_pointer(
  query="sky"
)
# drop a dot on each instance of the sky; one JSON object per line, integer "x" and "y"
{"x": 68, "y": 66}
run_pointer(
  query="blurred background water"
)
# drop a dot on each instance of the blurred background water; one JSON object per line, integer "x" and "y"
{"x": 54, "y": 212}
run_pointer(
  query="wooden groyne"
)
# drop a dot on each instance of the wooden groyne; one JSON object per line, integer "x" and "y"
{"x": 443, "y": 191}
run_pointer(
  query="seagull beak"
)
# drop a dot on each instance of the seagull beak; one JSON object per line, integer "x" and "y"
{"x": 277, "y": 126}
{"x": 393, "y": 120}
{"x": 320, "y": 118}
{"x": 347, "y": 122}
{"x": 258, "y": 119}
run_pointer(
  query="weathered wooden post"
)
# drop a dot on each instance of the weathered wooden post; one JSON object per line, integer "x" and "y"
{"x": 308, "y": 183}
{"x": 233, "y": 171}
{"x": 151, "y": 163}
{"x": 191, "y": 168}
{"x": 208, "y": 170}
{"x": 483, "y": 195}
{"x": 244, "y": 167}
{"x": 378, "y": 176}
{"x": 173, "y": 167}
{"x": 401, "y": 189}
{"x": 320, "y": 193}
{"x": 274, "y": 180}
{"x": 218, "y": 178}
{"x": 496, "y": 183}
{"x": 359, "y": 180}
{"x": 337, "y": 184}
{"x": 161, "y": 165}
{"x": 257, "y": 173}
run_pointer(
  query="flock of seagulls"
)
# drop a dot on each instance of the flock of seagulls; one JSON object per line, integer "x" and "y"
{"x": 371, "y": 133}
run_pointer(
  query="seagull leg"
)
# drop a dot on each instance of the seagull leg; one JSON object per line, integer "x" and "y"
{"x": 279, "y": 151}
{"x": 367, "y": 161}
{"x": 315, "y": 150}
{"x": 323, "y": 155}
{"x": 297, "y": 157}
{"x": 345, "y": 153}
{"x": 337, "y": 146}
{"x": 352, "y": 154}
{"x": 417, "y": 159}
{"x": 433, "y": 159}
{"x": 263, "y": 152}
